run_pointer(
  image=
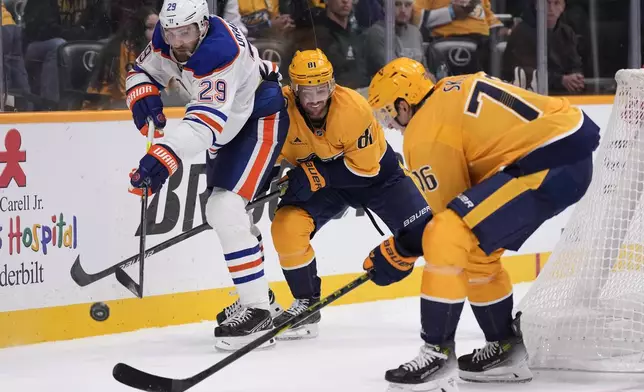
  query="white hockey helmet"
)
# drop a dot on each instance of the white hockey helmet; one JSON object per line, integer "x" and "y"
{"x": 178, "y": 13}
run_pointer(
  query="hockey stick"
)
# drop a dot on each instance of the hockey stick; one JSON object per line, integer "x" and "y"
{"x": 138, "y": 379}
{"x": 122, "y": 276}
{"x": 83, "y": 279}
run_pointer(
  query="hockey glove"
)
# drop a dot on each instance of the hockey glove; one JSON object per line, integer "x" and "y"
{"x": 144, "y": 100}
{"x": 387, "y": 265}
{"x": 154, "y": 168}
{"x": 303, "y": 181}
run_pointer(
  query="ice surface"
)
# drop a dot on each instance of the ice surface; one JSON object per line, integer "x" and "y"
{"x": 357, "y": 343}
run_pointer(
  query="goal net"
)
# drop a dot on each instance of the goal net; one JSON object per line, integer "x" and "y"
{"x": 585, "y": 311}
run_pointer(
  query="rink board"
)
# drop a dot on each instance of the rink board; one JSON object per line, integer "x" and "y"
{"x": 68, "y": 198}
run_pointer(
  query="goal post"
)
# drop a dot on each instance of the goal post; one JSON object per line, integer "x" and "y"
{"x": 585, "y": 311}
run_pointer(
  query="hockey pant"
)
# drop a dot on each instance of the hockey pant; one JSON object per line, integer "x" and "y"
{"x": 463, "y": 246}
{"x": 235, "y": 174}
{"x": 395, "y": 201}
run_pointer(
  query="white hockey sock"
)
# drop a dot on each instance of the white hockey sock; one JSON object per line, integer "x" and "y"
{"x": 226, "y": 213}
{"x": 247, "y": 270}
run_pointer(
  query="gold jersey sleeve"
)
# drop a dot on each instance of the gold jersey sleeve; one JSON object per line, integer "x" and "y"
{"x": 257, "y": 9}
{"x": 439, "y": 170}
{"x": 490, "y": 17}
{"x": 7, "y": 18}
{"x": 478, "y": 21}
{"x": 351, "y": 133}
{"x": 476, "y": 125}
{"x": 247, "y": 7}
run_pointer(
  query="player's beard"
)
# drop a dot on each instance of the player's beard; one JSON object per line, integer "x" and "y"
{"x": 316, "y": 110}
{"x": 182, "y": 53}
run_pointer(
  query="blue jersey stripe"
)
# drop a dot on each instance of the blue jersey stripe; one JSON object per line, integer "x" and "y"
{"x": 248, "y": 278}
{"x": 241, "y": 253}
{"x": 209, "y": 110}
{"x": 158, "y": 43}
{"x": 218, "y": 50}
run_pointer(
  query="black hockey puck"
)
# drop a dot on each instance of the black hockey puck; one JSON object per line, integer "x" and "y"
{"x": 99, "y": 311}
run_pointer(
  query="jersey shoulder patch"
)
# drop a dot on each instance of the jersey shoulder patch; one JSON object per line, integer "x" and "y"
{"x": 219, "y": 49}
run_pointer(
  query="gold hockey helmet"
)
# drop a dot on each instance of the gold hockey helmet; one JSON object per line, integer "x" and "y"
{"x": 311, "y": 68}
{"x": 402, "y": 78}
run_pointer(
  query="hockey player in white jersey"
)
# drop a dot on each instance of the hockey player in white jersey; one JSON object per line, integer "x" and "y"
{"x": 237, "y": 113}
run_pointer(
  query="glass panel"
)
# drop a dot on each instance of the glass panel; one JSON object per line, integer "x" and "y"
{"x": 75, "y": 54}
{"x": 587, "y": 44}
{"x": 462, "y": 36}
{"x": 338, "y": 28}
{"x": 601, "y": 29}
{"x": 71, "y": 54}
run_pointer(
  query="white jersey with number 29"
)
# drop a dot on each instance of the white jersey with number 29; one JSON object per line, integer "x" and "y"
{"x": 221, "y": 78}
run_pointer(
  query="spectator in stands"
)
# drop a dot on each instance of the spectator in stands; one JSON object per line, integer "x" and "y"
{"x": 14, "y": 63}
{"x": 342, "y": 42}
{"x": 122, "y": 11}
{"x": 407, "y": 43}
{"x": 368, "y": 12}
{"x": 229, "y": 11}
{"x": 118, "y": 57}
{"x": 565, "y": 73}
{"x": 49, "y": 24}
{"x": 263, "y": 18}
{"x": 470, "y": 20}
{"x": 304, "y": 13}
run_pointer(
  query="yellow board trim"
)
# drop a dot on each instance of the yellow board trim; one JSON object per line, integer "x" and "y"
{"x": 510, "y": 190}
{"x": 178, "y": 112}
{"x": 591, "y": 99}
{"x": 83, "y": 116}
{"x": 73, "y": 321}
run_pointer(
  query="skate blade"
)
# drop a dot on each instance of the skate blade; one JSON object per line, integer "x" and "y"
{"x": 308, "y": 331}
{"x": 236, "y": 342}
{"x": 516, "y": 374}
{"x": 441, "y": 385}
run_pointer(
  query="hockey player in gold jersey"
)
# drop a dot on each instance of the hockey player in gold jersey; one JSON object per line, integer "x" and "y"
{"x": 341, "y": 159}
{"x": 495, "y": 162}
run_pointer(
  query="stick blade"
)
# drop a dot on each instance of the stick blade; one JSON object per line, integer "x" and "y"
{"x": 135, "y": 378}
{"x": 127, "y": 282}
{"x": 78, "y": 273}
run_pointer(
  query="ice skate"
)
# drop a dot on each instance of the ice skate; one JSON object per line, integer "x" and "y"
{"x": 236, "y": 306}
{"x": 242, "y": 328}
{"x": 307, "y": 329}
{"x": 502, "y": 361}
{"x": 433, "y": 370}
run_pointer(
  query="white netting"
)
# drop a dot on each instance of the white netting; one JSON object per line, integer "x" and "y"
{"x": 586, "y": 309}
